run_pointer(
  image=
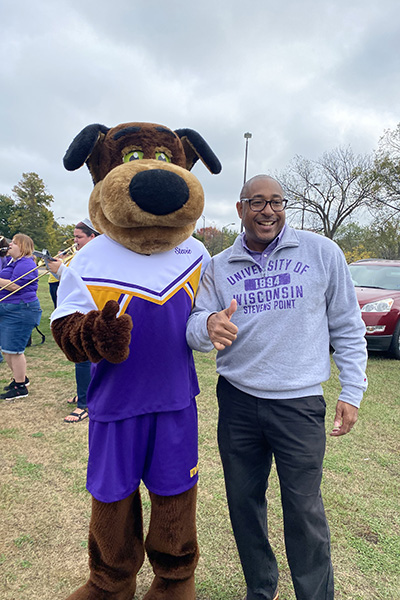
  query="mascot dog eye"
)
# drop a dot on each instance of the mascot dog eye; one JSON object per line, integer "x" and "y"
{"x": 141, "y": 173}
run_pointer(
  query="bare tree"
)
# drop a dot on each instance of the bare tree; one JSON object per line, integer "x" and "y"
{"x": 324, "y": 193}
{"x": 389, "y": 144}
{"x": 387, "y": 171}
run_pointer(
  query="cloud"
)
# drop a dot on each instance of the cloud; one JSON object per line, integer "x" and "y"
{"x": 304, "y": 78}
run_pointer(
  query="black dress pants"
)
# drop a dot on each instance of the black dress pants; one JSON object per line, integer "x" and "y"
{"x": 251, "y": 431}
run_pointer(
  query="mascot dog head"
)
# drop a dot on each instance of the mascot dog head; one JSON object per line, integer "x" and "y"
{"x": 144, "y": 197}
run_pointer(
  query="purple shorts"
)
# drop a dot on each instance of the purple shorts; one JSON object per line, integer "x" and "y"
{"x": 159, "y": 448}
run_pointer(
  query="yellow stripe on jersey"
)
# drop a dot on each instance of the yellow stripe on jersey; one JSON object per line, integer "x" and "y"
{"x": 102, "y": 293}
{"x": 193, "y": 282}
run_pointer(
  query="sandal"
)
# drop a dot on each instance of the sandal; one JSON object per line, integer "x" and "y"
{"x": 80, "y": 417}
{"x": 73, "y": 400}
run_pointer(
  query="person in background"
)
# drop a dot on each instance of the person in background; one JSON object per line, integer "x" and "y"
{"x": 4, "y": 259}
{"x": 272, "y": 305}
{"x": 20, "y": 311}
{"x": 84, "y": 232}
{"x": 4, "y": 246}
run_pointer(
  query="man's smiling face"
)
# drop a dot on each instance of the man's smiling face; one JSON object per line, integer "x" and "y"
{"x": 263, "y": 227}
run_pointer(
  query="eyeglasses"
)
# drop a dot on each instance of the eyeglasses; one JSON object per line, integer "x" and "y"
{"x": 258, "y": 204}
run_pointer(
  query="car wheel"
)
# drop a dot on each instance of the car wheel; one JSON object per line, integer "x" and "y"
{"x": 395, "y": 345}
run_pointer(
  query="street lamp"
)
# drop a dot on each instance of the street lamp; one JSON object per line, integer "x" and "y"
{"x": 247, "y": 137}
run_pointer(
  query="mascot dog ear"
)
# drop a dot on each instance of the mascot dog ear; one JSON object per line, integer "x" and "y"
{"x": 196, "y": 147}
{"x": 82, "y": 146}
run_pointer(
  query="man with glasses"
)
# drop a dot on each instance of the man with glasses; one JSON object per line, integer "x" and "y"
{"x": 272, "y": 305}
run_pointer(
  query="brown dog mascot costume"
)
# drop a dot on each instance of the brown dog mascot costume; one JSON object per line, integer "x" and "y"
{"x": 123, "y": 304}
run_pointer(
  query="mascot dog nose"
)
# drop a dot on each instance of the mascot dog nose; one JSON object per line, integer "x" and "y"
{"x": 158, "y": 191}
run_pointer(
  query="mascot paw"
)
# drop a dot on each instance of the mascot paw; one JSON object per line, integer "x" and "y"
{"x": 106, "y": 336}
{"x": 67, "y": 334}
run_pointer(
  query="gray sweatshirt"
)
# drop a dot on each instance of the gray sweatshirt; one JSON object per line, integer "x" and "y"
{"x": 288, "y": 315}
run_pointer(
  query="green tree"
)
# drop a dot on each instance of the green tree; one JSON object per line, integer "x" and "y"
{"x": 355, "y": 241}
{"x": 216, "y": 240}
{"x": 380, "y": 240}
{"x": 7, "y": 209}
{"x": 32, "y": 214}
{"x": 387, "y": 171}
{"x": 64, "y": 236}
{"x": 385, "y": 239}
{"x": 323, "y": 194}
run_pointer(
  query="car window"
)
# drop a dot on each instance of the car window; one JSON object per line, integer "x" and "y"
{"x": 379, "y": 276}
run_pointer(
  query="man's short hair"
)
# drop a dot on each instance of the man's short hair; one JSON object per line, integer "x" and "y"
{"x": 247, "y": 184}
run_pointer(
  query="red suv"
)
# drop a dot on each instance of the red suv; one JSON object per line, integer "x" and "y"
{"x": 377, "y": 283}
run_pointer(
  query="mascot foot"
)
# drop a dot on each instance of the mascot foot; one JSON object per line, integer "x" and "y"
{"x": 89, "y": 591}
{"x": 171, "y": 589}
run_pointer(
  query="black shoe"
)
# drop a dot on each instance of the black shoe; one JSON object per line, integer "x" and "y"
{"x": 18, "y": 390}
{"x": 11, "y": 385}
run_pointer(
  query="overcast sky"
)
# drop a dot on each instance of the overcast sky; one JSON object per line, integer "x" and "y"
{"x": 303, "y": 76}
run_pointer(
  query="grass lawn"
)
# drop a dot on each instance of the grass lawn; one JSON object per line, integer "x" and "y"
{"x": 45, "y": 509}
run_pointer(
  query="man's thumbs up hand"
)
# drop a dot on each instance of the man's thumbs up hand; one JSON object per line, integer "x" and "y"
{"x": 220, "y": 329}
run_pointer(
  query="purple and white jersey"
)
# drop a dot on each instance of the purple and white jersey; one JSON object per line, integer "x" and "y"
{"x": 157, "y": 291}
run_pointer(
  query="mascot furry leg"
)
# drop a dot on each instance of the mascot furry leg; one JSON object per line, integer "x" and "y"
{"x": 116, "y": 548}
{"x": 171, "y": 546}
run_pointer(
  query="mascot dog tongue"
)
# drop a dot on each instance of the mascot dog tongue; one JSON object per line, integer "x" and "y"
{"x": 123, "y": 304}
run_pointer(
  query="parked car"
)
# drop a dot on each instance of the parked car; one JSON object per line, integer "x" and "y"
{"x": 377, "y": 283}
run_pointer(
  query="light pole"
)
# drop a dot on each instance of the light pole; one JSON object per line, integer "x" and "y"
{"x": 247, "y": 137}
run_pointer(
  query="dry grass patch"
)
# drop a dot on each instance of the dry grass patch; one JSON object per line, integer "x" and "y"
{"x": 45, "y": 509}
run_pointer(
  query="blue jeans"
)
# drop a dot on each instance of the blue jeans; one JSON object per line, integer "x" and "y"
{"x": 82, "y": 376}
{"x": 16, "y": 324}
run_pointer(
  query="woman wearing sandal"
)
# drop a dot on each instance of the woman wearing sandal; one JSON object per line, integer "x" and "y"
{"x": 83, "y": 233}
